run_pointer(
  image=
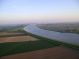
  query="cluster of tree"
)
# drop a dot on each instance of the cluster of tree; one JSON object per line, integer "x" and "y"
{"x": 18, "y": 28}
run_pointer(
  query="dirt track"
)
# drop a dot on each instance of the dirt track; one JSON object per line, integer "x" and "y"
{"x": 51, "y": 53}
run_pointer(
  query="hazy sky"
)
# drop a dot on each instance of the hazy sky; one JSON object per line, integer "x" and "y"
{"x": 28, "y": 11}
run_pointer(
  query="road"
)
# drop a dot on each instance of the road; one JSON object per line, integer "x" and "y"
{"x": 69, "y": 38}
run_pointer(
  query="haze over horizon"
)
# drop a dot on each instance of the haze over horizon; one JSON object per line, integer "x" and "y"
{"x": 38, "y": 11}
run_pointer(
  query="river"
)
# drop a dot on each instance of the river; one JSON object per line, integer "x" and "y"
{"x": 58, "y": 36}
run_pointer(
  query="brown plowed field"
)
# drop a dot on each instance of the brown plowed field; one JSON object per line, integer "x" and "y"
{"x": 17, "y": 39}
{"x": 50, "y": 53}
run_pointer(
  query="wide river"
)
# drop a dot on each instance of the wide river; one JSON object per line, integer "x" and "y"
{"x": 62, "y": 37}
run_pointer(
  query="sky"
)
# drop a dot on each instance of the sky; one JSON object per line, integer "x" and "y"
{"x": 38, "y": 11}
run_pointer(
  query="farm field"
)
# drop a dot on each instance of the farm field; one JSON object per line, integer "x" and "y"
{"x": 17, "y": 39}
{"x": 59, "y": 52}
{"x": 20, "y": 44}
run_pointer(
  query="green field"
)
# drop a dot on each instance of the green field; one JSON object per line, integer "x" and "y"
{"x": 27, "y": 46}
{"x": 18, "y": 47}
